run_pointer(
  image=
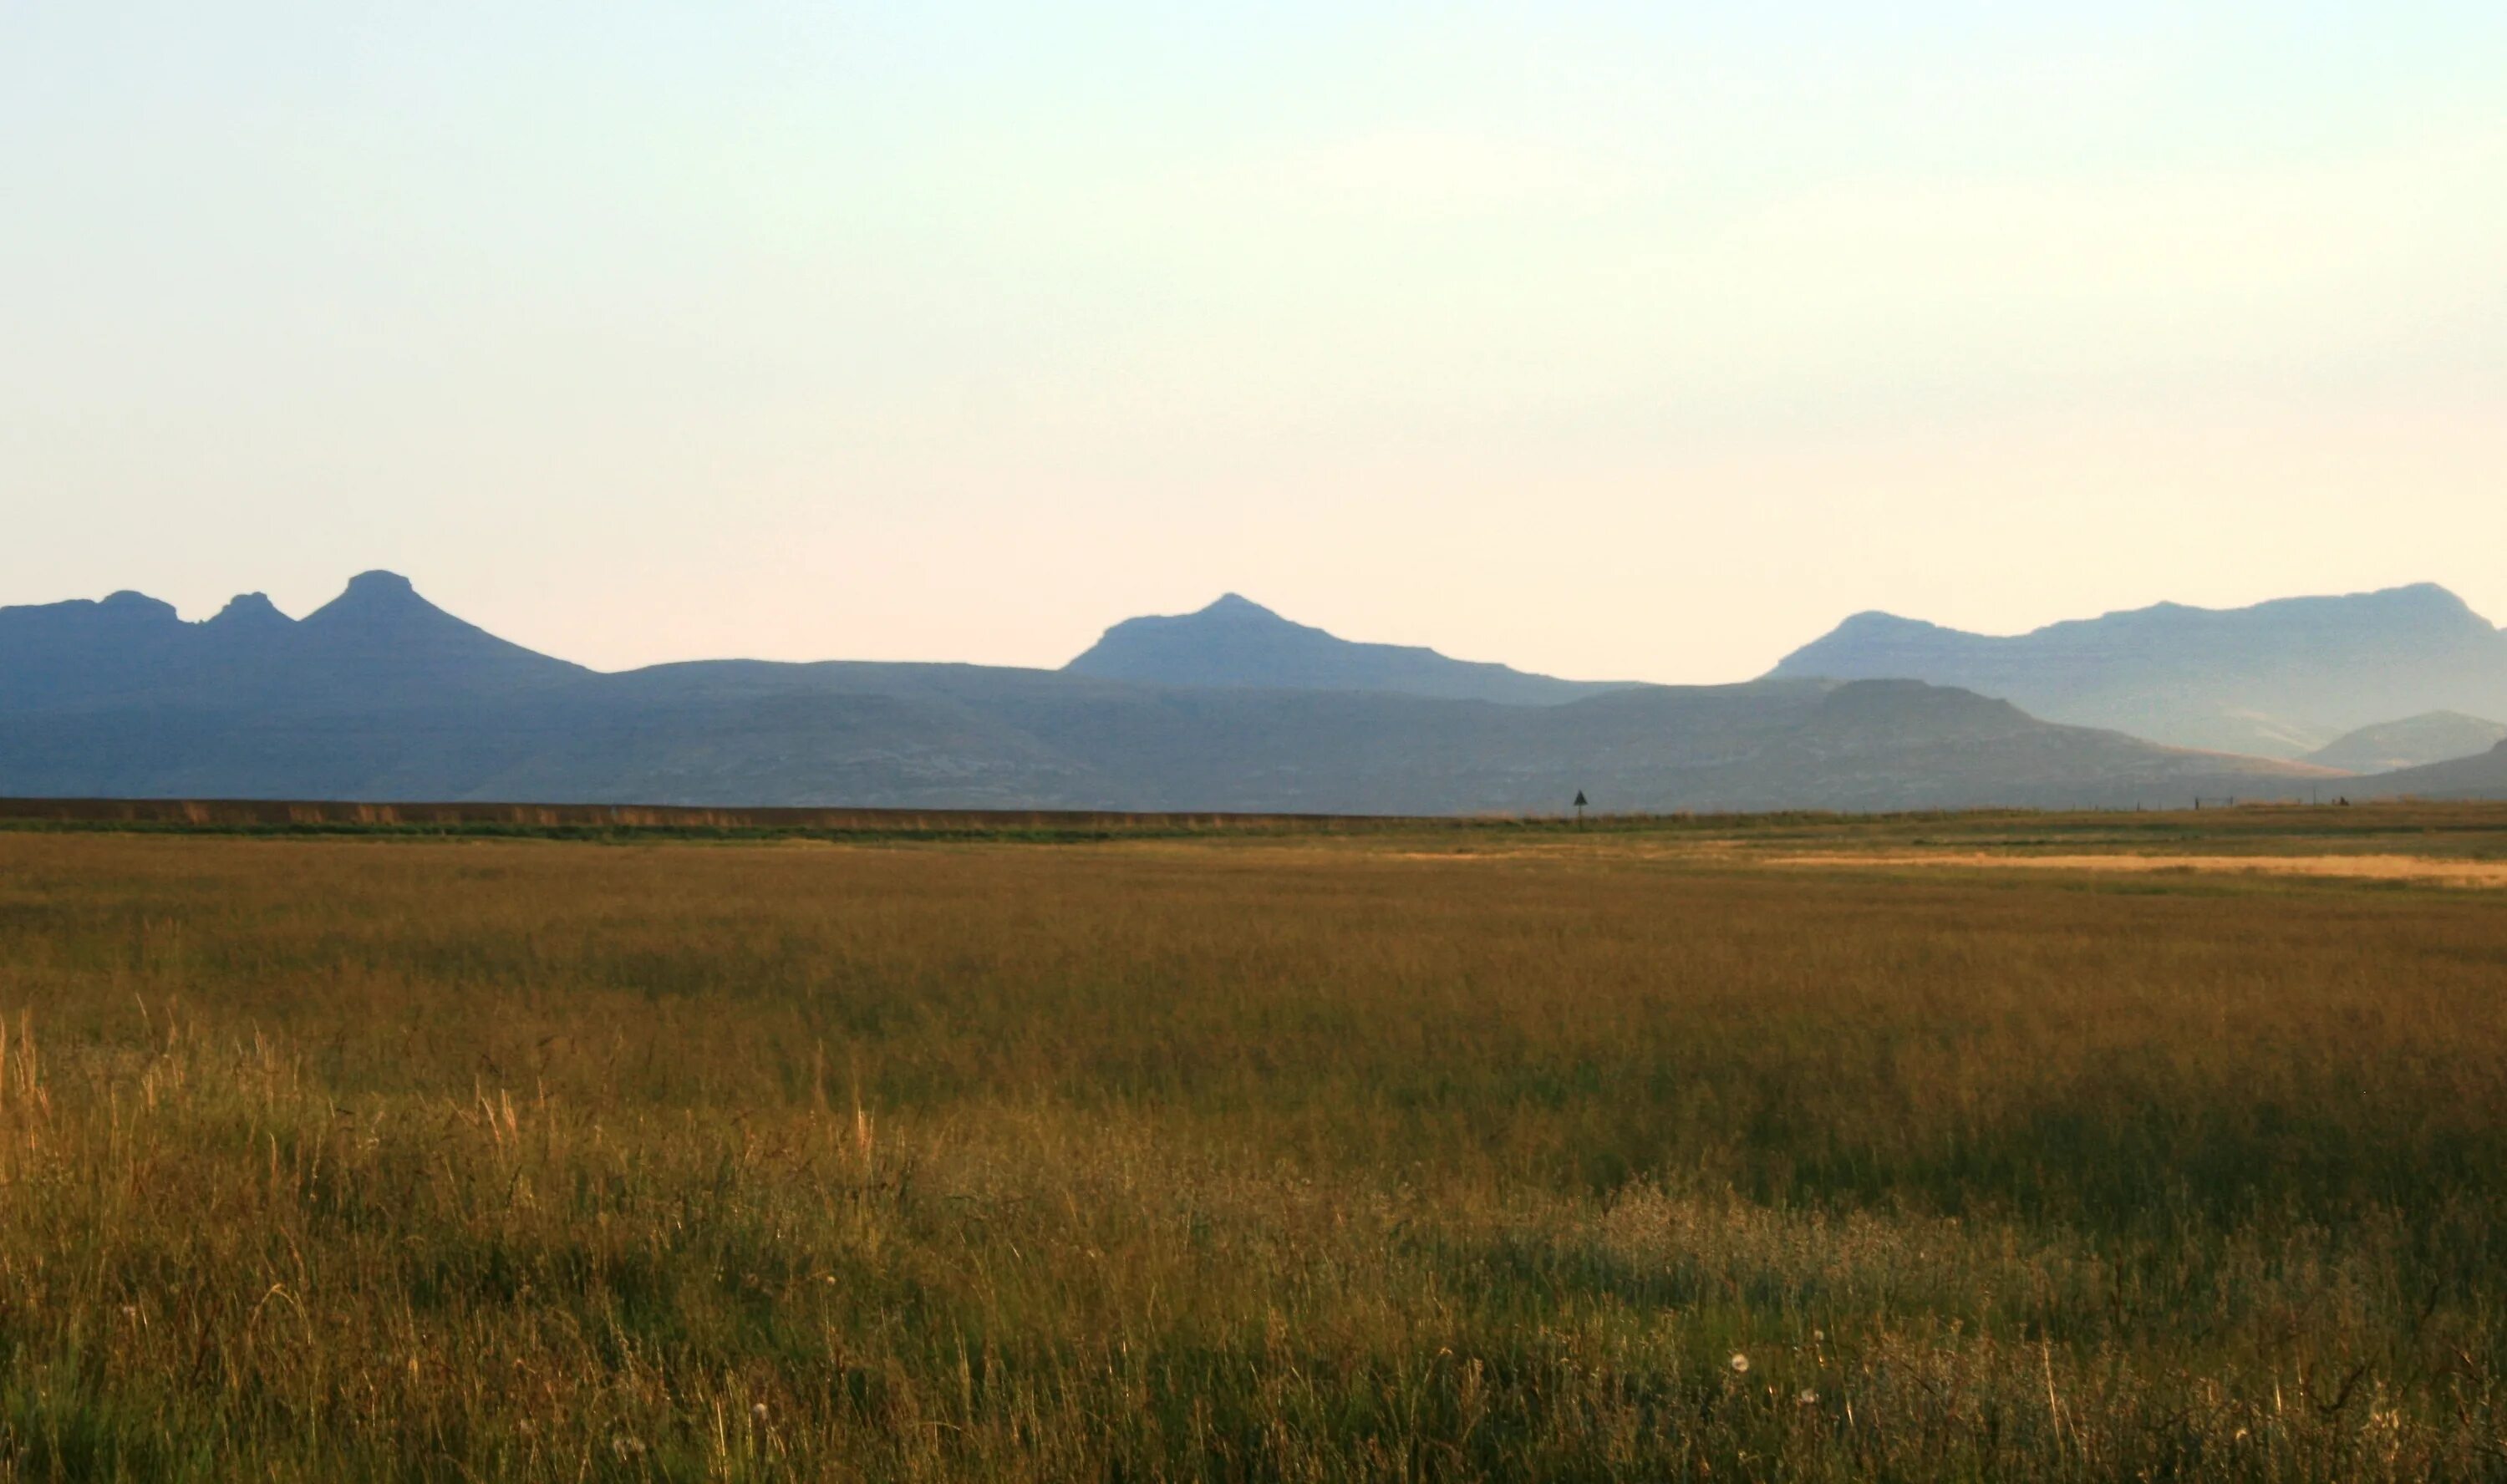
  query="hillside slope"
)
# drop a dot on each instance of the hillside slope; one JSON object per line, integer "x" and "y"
{"x": 2480, "y": 776}
{"x": 2432, "y": 737}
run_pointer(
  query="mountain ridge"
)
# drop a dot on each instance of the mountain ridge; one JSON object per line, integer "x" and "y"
{"x": 381, "y": 696}
{"x": 2280, "y": 678}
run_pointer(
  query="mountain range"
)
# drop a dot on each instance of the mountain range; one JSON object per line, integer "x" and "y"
{"x": 2279, "y": 679}
{"x": 381, "y": 694}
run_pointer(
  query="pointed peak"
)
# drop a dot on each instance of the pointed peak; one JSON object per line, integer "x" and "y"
{"x": 1236, "y": 605}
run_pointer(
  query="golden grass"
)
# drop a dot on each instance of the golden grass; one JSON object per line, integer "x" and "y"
{"x": 330, "y": 1159}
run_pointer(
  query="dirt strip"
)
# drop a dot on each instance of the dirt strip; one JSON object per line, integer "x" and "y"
{"x": 2414, "y": 868}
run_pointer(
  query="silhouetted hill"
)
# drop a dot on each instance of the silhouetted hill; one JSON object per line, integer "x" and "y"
{"x": 1237, "y": 642}
{"x": 2279, "y": 679}
{"x": 2432, "y": 737}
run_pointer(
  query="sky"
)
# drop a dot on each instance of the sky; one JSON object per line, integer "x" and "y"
{"x": 1619, "y": 340}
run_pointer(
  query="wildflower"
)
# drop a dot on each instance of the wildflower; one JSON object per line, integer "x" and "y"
{"x": 1807, "y": 1399}
{"x": 1740, "y": 1364}
{"x": 757, "y": 1413}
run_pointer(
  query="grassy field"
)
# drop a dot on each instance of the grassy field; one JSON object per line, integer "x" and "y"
{"x": 1397, "y": 1152}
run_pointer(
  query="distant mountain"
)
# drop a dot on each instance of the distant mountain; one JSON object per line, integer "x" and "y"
{"x": 2279, "y": 679}
{"x": 381, "y": 630}
{"x": 1237, "y": 644}
{"x": 2482, "y": 775}
{"x": 382, "y": 696}
{"x": 377, "y": 644}
{"x": 2432, "y": 737}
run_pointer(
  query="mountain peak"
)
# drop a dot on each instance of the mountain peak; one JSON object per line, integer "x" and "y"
{"x": 1881, "y": 621}
{"x": 376, "y": 597}
{"x": 129, "y": 605}
{"x": 1237, "y": 643}
{"x": 381, "y": 626}
{"x": 2429, "y": 598}
{"x": 250, "y": 610}
{"x": 380, "y": 586}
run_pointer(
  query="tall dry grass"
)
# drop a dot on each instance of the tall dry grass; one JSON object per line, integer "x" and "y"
{"x": 327, "y": 1160}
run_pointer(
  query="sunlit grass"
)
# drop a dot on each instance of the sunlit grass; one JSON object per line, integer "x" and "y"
{"x": 333, "y": 1159}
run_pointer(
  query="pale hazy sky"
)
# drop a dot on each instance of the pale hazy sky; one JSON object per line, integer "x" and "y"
{"x": 1612, "y": 339}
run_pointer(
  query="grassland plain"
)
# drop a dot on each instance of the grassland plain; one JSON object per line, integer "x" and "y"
{"x": 1475, "y": 1151}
